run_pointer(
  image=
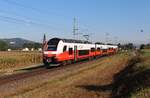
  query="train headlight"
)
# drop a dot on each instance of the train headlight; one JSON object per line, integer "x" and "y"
{"x": 45, "y": 52}
{"x": 49, "y": 60}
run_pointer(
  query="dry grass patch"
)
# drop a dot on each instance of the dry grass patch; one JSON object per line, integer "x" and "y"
{"x": 18, "y": 59}
{"x": 83, "y": 82}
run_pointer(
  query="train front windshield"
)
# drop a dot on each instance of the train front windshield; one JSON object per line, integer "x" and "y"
{"x": 52, "y": 47}
{"x": 52, "y": 44}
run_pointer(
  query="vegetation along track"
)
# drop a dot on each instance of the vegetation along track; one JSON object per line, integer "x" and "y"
{"x": 93, "y": 79}
{"x": 36, "y": 72}
{"x": 30, "y": 72}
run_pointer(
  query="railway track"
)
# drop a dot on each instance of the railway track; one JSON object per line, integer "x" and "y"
{"x": 36, "y": 71}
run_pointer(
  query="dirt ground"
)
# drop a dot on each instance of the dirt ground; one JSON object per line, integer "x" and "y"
{"x": 91, "y": 81}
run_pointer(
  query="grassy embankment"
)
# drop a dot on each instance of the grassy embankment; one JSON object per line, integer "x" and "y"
{"x": 119, "y": 76}
{"x": 84, "y": 82}
{"x": 140, "y": 77}
{"x": 134, "y": 80}
{"x": 18, "y": 59}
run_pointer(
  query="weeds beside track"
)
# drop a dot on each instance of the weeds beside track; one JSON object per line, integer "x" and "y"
{"x": 18, "y": 59}
{"x": 120, "y": 76}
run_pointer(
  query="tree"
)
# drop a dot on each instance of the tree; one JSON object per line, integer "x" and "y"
{"x": 147, "y": 46}
{"x": 3, "y": 46}
{"x": 32, "y": 45}
{"x": 119, "y": 45}
{"x": 37, "y": 45}
{"x": 142, "y": 46}
{"x": 126, "y": 46}
{"x": 130, "y": 46}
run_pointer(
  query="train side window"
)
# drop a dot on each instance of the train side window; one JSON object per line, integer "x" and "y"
{"x": 70, "y": 51}
{"x": 65, "y": 48}
{"x": 92, "y": 49}
{"x": 83, "y": 52}
{"x": 104, "y": 50}
{"x": 98, "y": 49}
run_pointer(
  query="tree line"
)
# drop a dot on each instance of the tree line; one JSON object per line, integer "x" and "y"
{"x": 145, "y": 46}
{"x": 5, "y": 46}
{"x": 32, "y": 45}
{"x": 127, "y": 46}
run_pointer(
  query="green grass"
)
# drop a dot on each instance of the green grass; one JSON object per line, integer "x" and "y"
{"x": 145, "y": 52}
{"x": 144, "y": 91}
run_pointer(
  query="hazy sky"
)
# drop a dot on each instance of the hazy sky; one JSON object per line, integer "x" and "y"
{"x": 120, "y": 19}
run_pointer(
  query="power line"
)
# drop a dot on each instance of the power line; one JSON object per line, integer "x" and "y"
{"x": 12, "y": 2}
{"x": 107, "y": 38}
{"x": 86, "y": 36}
{"x": 86, "y": 31}
{"x": 75, "y": 29}
{"x": 16, "y": 20}
{"x": 21, "y": 5}
{"x": 33, "y": 9}
{"x": 27, "y": 19}
{"x": 9, "y": 21}
{"x": 12, "y": 13}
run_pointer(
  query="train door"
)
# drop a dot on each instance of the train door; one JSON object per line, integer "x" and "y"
{"x": 75, "y": 53}
{"x": 95, "y": 51}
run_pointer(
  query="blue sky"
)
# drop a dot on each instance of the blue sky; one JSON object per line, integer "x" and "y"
{"x": 121, "y": 19}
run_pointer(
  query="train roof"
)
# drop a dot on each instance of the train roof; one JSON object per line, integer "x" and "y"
{"x": 56, "y": 40}
{"x": 71, "y": 40}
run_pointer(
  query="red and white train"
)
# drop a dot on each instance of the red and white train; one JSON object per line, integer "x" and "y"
{"x": 67, "y": 51}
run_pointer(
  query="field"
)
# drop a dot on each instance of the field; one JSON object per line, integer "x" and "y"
{"x": 19, "y": 59}
{"x": 69, "y": 82}
{"x": 119, "y": 76}
{"x": 124, "y": 75}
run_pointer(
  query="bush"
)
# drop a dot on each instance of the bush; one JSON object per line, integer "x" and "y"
{"x": 3, "y": 46}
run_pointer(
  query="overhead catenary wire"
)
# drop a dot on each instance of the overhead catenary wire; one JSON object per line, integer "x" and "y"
{"x": 17, "y": 20}
{"x": 14, "y": 14}
{"x": 43, "y": 12}
{"x": 21, "y": 5}
{"x": 27, "y": 20}
{"x": 23, "y": 21}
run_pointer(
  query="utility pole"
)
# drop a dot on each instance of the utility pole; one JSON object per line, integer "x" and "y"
{"x": 44, "y": 42}
{"x": 87, "y": 37}
{"x": 115, "y": 40}
{"x": 74, "y": 29}
{"x": 107, "y": 38}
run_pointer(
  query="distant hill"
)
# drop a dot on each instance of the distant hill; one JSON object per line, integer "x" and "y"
{"x": 17, "y": 42}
